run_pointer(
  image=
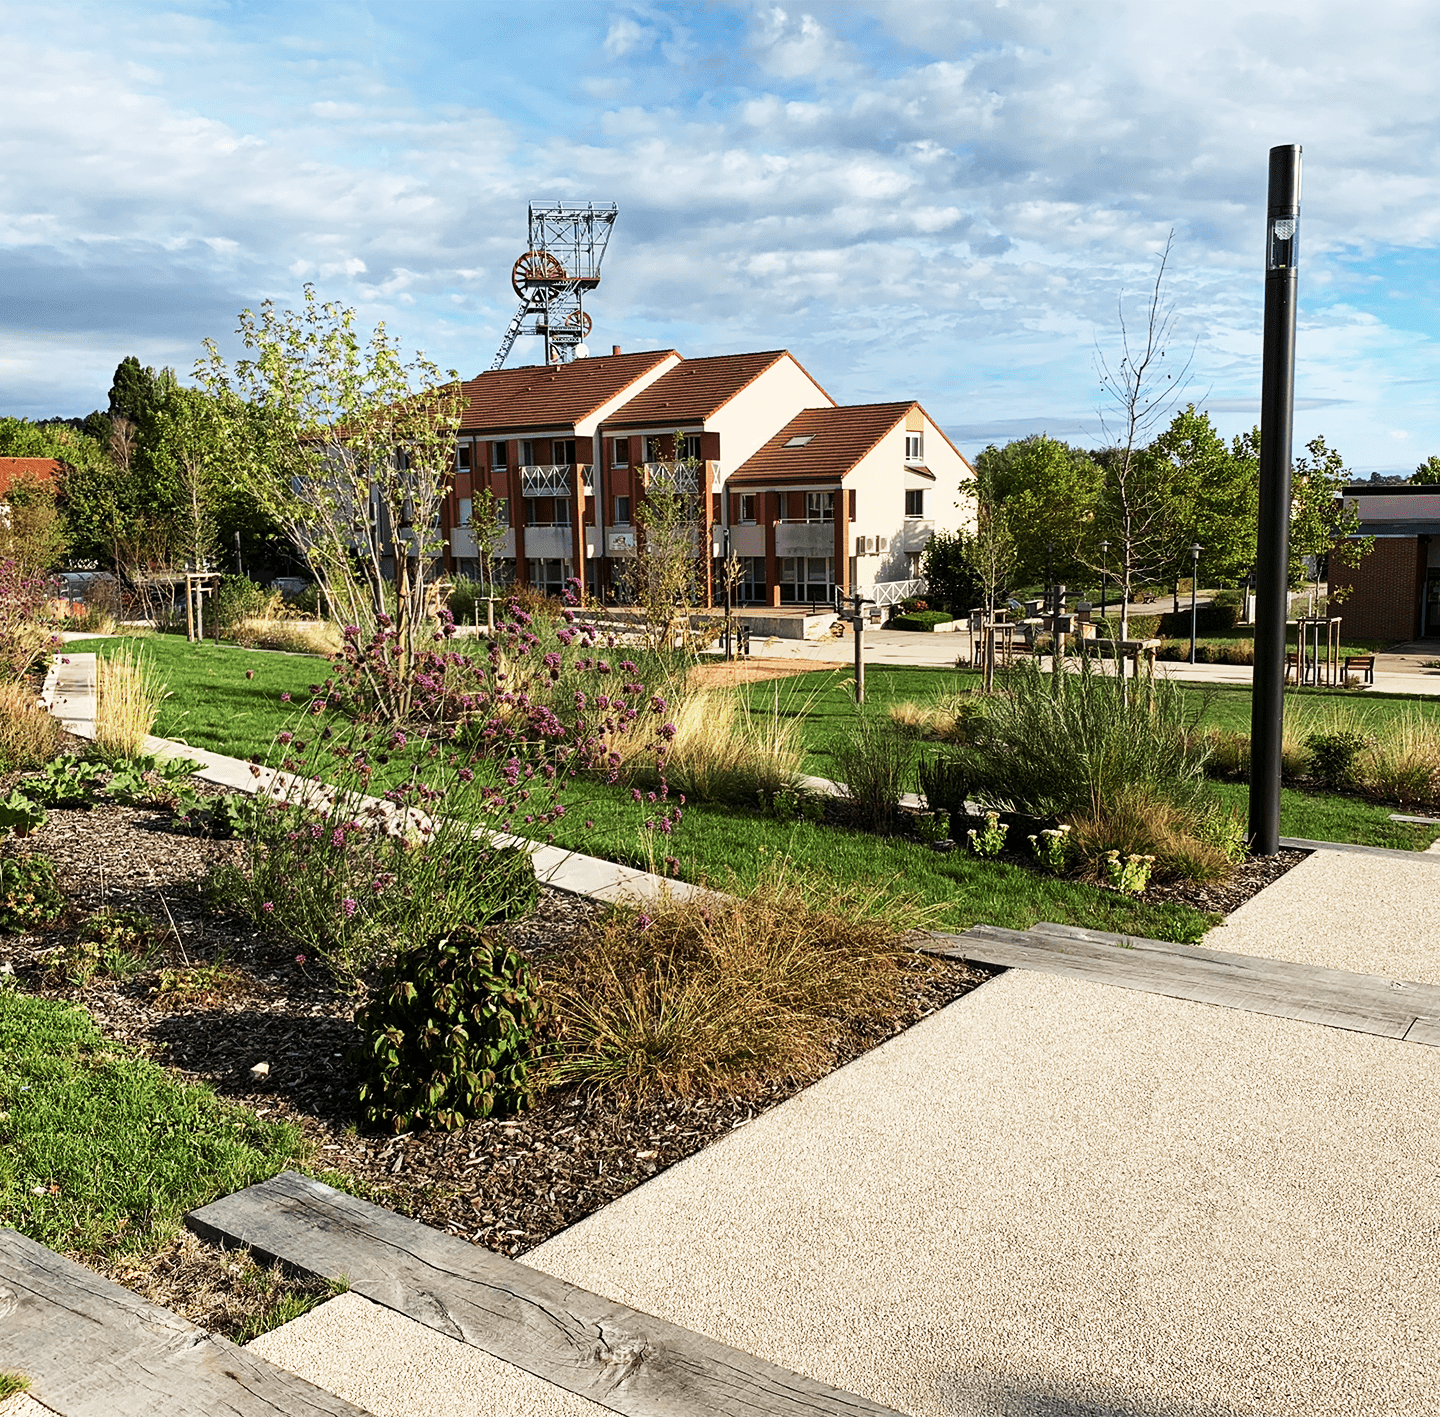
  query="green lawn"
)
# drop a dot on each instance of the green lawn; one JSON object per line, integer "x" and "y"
{"x": 101, "y": 1151}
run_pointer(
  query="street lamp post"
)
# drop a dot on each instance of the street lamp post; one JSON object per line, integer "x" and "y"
{"x": 1194, "y": 577}
{"x": 1104, "y": 575}
{"x": 1272, "y": 557}
{"x": 1049, "y": 595}
{"x": 729, "y": 592}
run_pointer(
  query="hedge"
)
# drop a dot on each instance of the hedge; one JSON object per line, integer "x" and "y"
{"x": 921, "y": 620}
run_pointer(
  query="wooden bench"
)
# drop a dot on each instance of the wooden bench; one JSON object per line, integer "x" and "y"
{"x": 1365, "y": 663}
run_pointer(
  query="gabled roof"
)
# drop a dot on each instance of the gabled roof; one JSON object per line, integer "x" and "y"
{"x": 13, "y": 470}
{"x": 551, "y": 395}
{"x": 694, "y": 390}
{"x": 839, "y": 438}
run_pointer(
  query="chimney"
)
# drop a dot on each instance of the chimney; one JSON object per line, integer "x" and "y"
{"x": 614, "y": 349}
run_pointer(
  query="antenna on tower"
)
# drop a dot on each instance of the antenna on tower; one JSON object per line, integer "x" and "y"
{"x": 562, "y": 263}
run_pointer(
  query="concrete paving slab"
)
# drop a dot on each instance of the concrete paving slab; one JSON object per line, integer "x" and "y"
{"x": 394, "y": 1367}
{"x": 1370, "y": 914}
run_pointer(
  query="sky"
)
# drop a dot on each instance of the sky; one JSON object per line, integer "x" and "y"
{"x": 953, "y": 202}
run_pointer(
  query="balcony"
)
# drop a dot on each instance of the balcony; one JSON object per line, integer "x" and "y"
{"x": 688, "y": 478}
{"x": 793, "y": 538}
{"x": 553, "y": 479}
{"x": 550, "y": 542}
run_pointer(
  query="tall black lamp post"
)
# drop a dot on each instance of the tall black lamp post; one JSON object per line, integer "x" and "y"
{"x": 1272, "y": 558}
{"x": 1194, "y": 576}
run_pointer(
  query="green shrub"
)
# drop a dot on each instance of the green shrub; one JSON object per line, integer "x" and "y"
{"x": 932, "y": 826}
{"x": 239, "y": 598}
{"x": 1333, "y": 756}
{"x": 1127, "y": 874}
{"x": 1142, "y": 627}
{"x": 30, "y": 899}
{"x": 66, "y": 782}
{"x": 876, "y": 764}
{"x": 990, "y": 839}
{"x": 18, "y": 814}
{"x": 945, "y": 783}
{"x": 449, "y": 1035}
{"x": 921, "y": 620}
{"x": 1211, "y": 620}
{"x": 1054, "y": 849}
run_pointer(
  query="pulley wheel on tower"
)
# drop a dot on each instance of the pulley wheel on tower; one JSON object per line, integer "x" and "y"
{"x": 579, "y": 319}
{"x": 535, "y": 268}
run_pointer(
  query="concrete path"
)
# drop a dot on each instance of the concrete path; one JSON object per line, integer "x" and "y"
{"x": 1052, "y": 1197}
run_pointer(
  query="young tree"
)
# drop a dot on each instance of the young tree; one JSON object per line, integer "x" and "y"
{"x": 1323, "y": 526}
{"x": 1135, "y": 506}
{"x": 991, "y": 554}
{"x": 665, "y": 578}
{"x": 1428, "y": 473}
{"x": 351, "y": 449}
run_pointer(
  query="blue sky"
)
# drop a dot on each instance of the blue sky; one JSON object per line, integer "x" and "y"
{"x": 941, "y": 201}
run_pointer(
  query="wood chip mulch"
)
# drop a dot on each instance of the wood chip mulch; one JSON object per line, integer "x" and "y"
{"x": 507, "y": 1184}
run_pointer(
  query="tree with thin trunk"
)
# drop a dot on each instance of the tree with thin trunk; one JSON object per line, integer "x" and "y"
{"x": 1136, "y": 506}
{"x": 351, "y": 449}
{"x": 991, "y": 553}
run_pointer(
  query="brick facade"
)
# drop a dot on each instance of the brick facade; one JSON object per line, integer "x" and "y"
{"x": 1386, "y": 590}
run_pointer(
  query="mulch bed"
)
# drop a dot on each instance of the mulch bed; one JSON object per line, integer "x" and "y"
{"x": 507, "y": 1184}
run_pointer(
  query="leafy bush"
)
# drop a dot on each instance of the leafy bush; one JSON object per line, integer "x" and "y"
{"x": 932, "y": 826}
{"x": 1333, "y": 756}
{"x": 1128, "y": 874}
{"x": 29, "y": 737}
{"x": 449, "y": 1035}
{"x": 921, "y": 620}
{"x": 1210, "y": 620}
{"x": 239, "y": 598}
{"x": 1142, "y": 627}
{"x": 20, "y": 816}
{"x": 1053, "y": 849}
{"x": 876, "y": 764}
{"x": 30, "y": 899}
{"x": 66, "y": 782}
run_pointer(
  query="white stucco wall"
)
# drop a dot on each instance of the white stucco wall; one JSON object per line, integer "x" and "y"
{"x": 762, "y": 407}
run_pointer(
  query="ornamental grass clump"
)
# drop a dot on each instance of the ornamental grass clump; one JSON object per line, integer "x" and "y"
{"x": 877, "y": 765}
{"x": 724, "y": 994}
{"x": 128, "y": 695}
{"x": 29, "y": 737}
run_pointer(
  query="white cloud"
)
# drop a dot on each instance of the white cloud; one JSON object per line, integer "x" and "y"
{"x": 626, "y": 36}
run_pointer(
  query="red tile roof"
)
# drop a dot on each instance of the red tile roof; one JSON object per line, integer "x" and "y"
{"x": 840, "y": 437}
{"x": 14, "y": 470}
{"x": 694, "y": 390}
{"x": 551, "y": 395}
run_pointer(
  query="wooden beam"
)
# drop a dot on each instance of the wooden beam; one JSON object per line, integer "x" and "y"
{"x": 93, "y": 1349}
{"x": 616, "y": 1356}
{"x": 1386, "y": 1008}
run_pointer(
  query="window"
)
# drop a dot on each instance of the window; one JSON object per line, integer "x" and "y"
{"x": 467, "y": 510}
{"x": 752, "y": 580}
{"x": 502, "y": 511}
{"x": 462, "y": 457}
{"x": 547, "y": 511}
{"x": 498, "y": 454}
{"x": 562, "y": 452}
{"x": 622, "y": 453}
{"x": 622, "y": 511}
{"x": 914, "y": 447}
{"x": 548, "y": 576}
{"x": 747, "y": 511}
{"x": 914, "y": 502}
{"x": 819, "y": 506}
{"x": 689, "y": 448}
{"x": 800, "y": 440}
{"x": 527, "y": 453}
{"x": 806, "y": 579}
{"x": 912, "y": 565}
{"x": 654, "y": 450}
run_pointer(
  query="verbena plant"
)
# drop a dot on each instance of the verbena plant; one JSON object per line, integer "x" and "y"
{"x": 377, "y": 836}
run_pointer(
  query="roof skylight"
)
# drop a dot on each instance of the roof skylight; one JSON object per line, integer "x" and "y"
{"x": 800, "y": 439}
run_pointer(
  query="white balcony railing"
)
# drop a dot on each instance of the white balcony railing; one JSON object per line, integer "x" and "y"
{"x": 893, "y": 592}
{"x": 553, "y": 479}
{"x": 687, "y": 477}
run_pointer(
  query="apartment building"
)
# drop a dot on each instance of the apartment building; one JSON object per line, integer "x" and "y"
{"x": 809, "y": 495}
{"x": 843, "y": 496}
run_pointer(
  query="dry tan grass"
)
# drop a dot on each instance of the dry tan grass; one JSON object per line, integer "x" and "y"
{"x": 1135, "y": 824}
{"x": 724, "y": 994}
{"x": 129, "y": 693}
{"x": 293, "y": 636}
{"x": 29, "y": 737}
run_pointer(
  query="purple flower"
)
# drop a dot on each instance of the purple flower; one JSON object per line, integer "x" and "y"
{"x": 286, "y": 737}
{"x": 348, "y": 905}
{"x": 268, "y": 907}
{"x": 285, "y": 698}
{"x": 465, "y": 775}
{"x": 643, "y": 921}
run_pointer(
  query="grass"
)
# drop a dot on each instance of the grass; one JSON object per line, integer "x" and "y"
{"x": 29, "y": 737}
{"x": 103, "y": 1151}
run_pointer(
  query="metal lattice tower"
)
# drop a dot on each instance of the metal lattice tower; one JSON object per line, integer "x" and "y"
{"x": 567, "y": 244}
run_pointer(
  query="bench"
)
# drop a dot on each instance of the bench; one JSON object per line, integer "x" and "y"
{"x": 1365, "y": 663}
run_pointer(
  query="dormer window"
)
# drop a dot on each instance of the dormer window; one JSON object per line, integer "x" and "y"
{"x": 914, "y": 447}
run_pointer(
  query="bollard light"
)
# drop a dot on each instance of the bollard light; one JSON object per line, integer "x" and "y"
{"x": 1194, "y": 579}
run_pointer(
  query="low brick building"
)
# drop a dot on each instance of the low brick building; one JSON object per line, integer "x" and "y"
{"x": 1394, "y": 592}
